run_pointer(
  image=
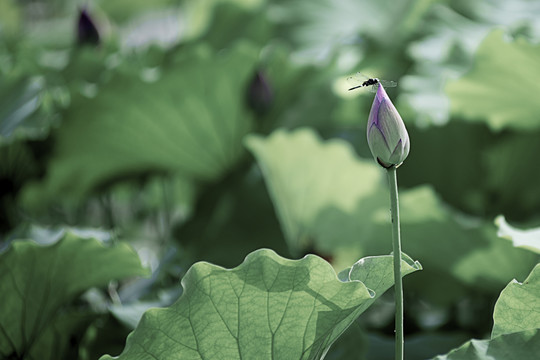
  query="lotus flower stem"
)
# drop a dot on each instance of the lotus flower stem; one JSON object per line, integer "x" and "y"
{"x": 396, "y": 245}
{"x": 389, "y": 143}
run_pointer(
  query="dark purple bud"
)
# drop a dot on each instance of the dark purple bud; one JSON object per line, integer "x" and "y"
{"x": 87, "y": 32}
{"x": 260, "y": 95}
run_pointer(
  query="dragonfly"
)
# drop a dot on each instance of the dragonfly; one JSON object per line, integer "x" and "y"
{"x": 372, "y": 82}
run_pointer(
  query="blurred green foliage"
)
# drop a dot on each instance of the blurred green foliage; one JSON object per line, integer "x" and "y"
{"x": 204, "y": 130}
{"x": 34, "y": 313}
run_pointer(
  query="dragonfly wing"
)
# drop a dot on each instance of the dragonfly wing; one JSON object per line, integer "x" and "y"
{"x": 388, "y": 83}
{"x": 357, "y": 79}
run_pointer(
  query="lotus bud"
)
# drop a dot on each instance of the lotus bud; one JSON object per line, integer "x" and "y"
{"x": 387, "y": 136}
{"x": 87, "y": 32}
{"x": 260, "y": 95}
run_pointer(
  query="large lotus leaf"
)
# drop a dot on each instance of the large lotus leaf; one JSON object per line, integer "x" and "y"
{"x": 266, "y": 308}
{"x": 518, "y": 307}
{"x": 187, "y": 116}
{"x": 37, "y": 281}
{"x": 516, "y": 346}
{"x": 528, "y": 239}
{"x": 308, "y": 177}
{"x": 500, "y": 88}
